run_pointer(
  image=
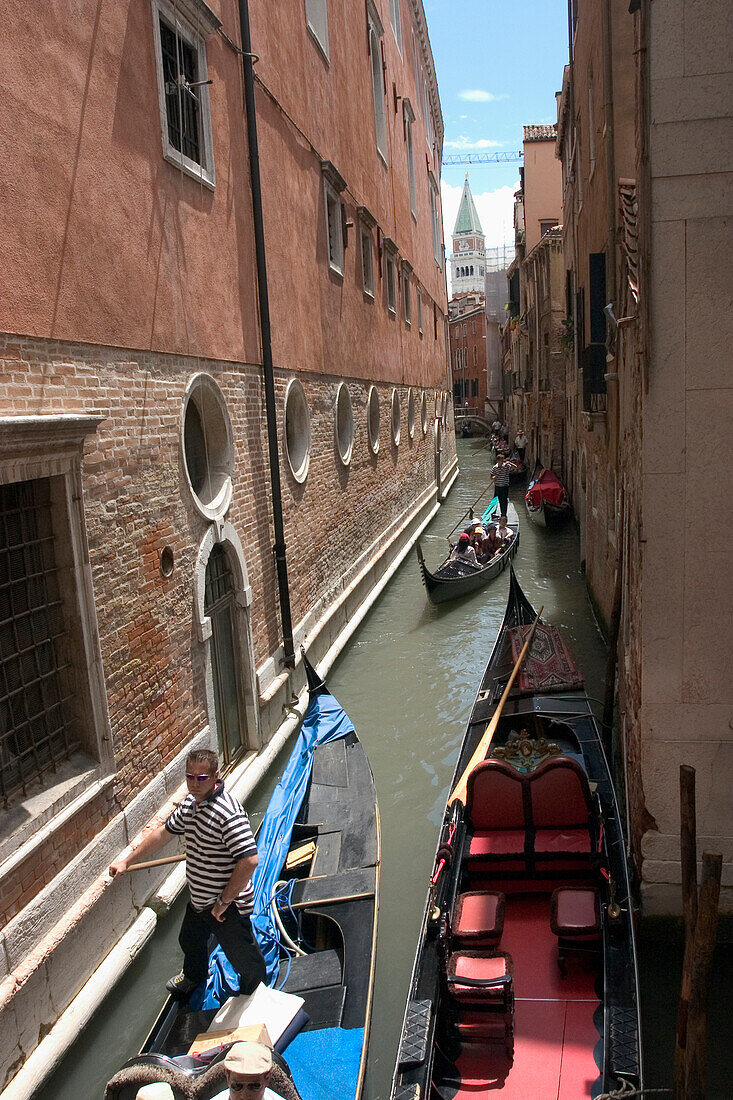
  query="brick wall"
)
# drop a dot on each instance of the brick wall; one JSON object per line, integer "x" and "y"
{"x": 137, "y": 501}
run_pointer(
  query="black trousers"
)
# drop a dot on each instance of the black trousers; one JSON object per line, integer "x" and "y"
{"x": 502, "y": 491}
{"x": 520, "y": 451}
{"x": 233, "y": 934}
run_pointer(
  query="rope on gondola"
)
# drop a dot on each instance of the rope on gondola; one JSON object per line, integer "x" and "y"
{"x": 627, "y": 1090}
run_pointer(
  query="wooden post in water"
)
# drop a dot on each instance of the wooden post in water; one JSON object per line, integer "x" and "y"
{"x": 688, "y": 860}
{"x": 702, "y": 964}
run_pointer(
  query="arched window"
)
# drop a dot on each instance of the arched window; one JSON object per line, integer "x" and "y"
{"x": 220, "y": 607}
{"x": 472, "y": 269}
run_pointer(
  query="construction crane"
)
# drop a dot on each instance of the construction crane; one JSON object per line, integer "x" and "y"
{"x": 483, "y": 158}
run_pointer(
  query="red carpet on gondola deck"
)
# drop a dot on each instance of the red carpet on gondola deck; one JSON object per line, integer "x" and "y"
{"x": 554, "y": 1033}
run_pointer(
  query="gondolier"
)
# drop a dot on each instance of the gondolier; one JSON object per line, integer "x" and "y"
{"x": 500, "y": 476}
{"x": 221, "y": 857}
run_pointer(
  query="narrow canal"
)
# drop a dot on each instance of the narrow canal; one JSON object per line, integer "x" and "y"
{"x": 407, "y": 680}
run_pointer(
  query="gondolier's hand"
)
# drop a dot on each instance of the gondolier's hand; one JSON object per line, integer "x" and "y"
{"x": 219, "y": 908}
{"x": 117, "y": 867}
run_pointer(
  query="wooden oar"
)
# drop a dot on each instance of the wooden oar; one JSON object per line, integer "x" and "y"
{"x": 156, "y": 862}
{"x": 459, "y": 791}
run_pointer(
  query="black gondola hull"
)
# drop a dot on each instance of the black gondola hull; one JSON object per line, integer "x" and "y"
{"x": 618, "y": 1055}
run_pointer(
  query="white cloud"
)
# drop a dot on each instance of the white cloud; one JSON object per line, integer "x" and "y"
{"x": 478, "y": 95}
{"x": 464, "y": 142}
{"x": 495, "y": 211}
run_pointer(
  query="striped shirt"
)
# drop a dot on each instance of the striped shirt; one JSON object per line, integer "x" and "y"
{"x": 500, "y": 475}
{"x": 217, "y": 836}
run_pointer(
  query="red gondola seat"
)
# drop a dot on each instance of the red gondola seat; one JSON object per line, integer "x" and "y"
{"x": 562, "y": 815}
{"x": 575, "y": 918}
{"x": 481, "y": 993}
{"x": 478, "y": 919}
{"x": 533, "y": 823}
{"x": 495, "y": 814}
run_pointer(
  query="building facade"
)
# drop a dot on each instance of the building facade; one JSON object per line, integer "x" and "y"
{"x": 148, "y": 604}
{"x": 645, "y": 230}
{"x": 532, "y": 334}
{"x": 467, "y": 336}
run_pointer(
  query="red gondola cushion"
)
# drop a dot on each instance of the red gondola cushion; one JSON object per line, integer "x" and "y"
{"x": 494, "y": 797}
{"x": 562, "y": 841}
{"x": 560, "y": 794}
{"x": 473, "y": 964}
{"x": 479, "y": 918}
{"x": 575, "y": 913}
{"x": 500, "y": 842}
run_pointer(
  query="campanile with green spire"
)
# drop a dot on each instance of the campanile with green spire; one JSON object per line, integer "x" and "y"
{"x": 468, "y": 259}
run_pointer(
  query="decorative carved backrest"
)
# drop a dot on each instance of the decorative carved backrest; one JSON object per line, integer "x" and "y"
{"x": 560, "y": 794}
{"x": 494, "y": 797}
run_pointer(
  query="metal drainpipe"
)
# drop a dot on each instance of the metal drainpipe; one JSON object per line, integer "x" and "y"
{"x": 264, "y": 306}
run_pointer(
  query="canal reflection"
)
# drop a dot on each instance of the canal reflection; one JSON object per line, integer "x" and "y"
{"x": 407, "y": 680}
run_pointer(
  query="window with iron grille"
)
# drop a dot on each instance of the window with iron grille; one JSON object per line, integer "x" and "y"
{"x": 182, "y": 108}
{"x": 37, "y": 729}
{"x": 180, "y": 31}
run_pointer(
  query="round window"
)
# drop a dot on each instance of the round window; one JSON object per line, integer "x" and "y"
{"x": 297, "y": 430}
{"x": 411, "y": 414}
{"x": 396, "y": 416}
{"x": 208, "y": 448}
{"x": 344, "y": 424}
{"x": 373, "y": 419}
{"x": 424, "y": 413}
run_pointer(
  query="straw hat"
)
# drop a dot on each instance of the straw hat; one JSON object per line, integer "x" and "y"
{"x": 156, "y": 1091}
{"x": 249, "y": 1058}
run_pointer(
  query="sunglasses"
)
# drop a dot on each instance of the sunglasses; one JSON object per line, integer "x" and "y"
{"x": 253, "y": 1086}
{"x": 197, "y": 778}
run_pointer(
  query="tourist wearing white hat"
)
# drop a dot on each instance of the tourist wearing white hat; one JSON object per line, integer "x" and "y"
{"x": 248, "y": 1067}
{"x": 156, "y": 1091}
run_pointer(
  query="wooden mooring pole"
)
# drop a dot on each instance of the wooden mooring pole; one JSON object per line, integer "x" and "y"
{"x": 701, "y": 927}
{"x": 706, "y": 933}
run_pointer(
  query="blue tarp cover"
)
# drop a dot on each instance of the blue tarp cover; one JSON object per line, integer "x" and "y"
{"x": 325, "y": 1064}
{"x": 324, "y": 721}
{"x": 488, "y": 515}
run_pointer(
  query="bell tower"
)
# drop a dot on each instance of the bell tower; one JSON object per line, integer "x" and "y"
{"x": 468, "y": 259}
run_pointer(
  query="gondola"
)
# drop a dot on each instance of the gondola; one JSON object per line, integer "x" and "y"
{"x": 525, "y": 981}
{"x": 324, "y": 868}
{"x": 458, "y": 578}
{"x": 546, "y": 499}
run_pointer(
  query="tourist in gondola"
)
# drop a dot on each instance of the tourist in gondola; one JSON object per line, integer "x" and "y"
{"x": 463, "y": 551}
{"x": 248, "y": 1068}
{"x": 490, "y": 545}
{"x": 503, "y": 533}
{"x": 221, "y": 857}
{"x": 156, "y": 1090}
{"x": 500, "y": 477}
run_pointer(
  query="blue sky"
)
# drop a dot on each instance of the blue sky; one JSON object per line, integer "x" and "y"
{"x": 499, "y": 65}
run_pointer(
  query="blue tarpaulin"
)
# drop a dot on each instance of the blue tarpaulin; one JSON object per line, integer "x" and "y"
{"x": 488, "y": 515}
{"x": 324, "y": 721}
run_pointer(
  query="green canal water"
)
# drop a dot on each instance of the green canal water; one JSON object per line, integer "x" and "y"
{"x": 407, "y": 680}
